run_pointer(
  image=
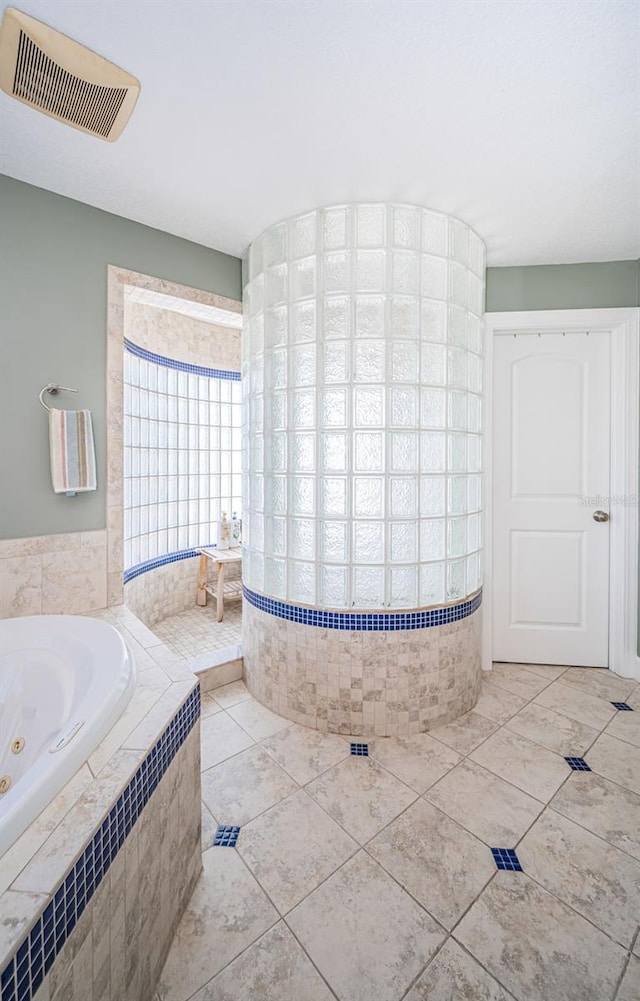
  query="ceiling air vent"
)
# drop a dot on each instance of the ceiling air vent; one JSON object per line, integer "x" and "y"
{"x": 63, "y": 79}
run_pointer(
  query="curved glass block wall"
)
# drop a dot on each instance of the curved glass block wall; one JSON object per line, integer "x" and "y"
{"x": 362, "y": 365}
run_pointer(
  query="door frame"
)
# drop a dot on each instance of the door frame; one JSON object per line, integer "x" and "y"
{"x": 623, "y": 326}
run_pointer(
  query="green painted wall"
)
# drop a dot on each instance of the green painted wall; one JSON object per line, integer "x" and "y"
{"x": 564, "y": 286}
{"x": 54, "y": 254}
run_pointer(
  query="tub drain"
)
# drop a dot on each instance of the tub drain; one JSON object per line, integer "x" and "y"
{"x": 5, "y": 782}
{"x": 17, "y": 745}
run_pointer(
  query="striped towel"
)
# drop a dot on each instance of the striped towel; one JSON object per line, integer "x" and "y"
{"x": 73, "y": 458}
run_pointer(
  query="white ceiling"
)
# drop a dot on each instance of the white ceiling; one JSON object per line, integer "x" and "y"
{"x": 520, "y": 117}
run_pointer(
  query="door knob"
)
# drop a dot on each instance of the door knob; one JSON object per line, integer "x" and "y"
{"x": 600, "y": 516}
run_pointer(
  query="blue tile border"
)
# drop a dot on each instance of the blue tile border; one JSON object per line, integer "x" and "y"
{"x": 37, "y": 951}
{"x": 162, "y": 561}
{"x": 577, "y": 764}
{"x": 506, "y": 858}
{"x": 365, "y": 621}
{"x": 182, "y": 366}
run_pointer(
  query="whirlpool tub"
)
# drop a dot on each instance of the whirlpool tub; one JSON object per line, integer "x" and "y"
{"x": 64, "y": 681}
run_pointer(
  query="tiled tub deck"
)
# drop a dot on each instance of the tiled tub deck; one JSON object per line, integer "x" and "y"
{"x": 371, "y": 876}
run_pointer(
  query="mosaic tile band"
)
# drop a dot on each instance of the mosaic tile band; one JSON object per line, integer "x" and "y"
{"x": 182, "y": 366}
{"x": 34, "y": 957}
{"x": 364, "y": 621}
{"x": 161, "y": 561}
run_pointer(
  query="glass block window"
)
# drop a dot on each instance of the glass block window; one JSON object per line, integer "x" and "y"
{"x": 182, "y": 461}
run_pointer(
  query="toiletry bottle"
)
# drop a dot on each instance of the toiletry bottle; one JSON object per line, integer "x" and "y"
{"x": 224, "y": 531}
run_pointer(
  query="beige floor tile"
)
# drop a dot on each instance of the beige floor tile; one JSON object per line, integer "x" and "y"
{"x": 418, "y": 761}
{"x": 209, "y": 828}
{"x": 465, "y": 733}
{"x": 220, "y": 738}
{"x": 244, "y": 786}
{"x": 232, "y": 694}
{"x": 497, "y": 703}
{"x": 209, "y": 706}
{"x": 597, "y": 880}
{"x": 274, "y": 968}
{"x": 306, "y": 753}
{"x": 577, "y": 704}
{"x": 616, "y": 760}
{"x": 539, "y": 948}
{"x": 603, "y": 807}
{"x": 366, "y": 936}
{"x": 625, "y": 726}
{"x": 532, "y": 768}
{"x": 292, "y": 848}
{"x": 492, "y": 809}
{"x": 630, "y": 987}
{"x": 361, "y": 796}
{"x": 454, "y": 975}
{"x": 553, "y": 730}
{"x": 549, "y": 671}
{"x": 634, "y": 698}
{"x": 440, "y": 864}
{"x": 227, "y": 912}
{"x": 599, "y": 682}
{"x": 517, "y": 679}
{"x": 256, "y": 719}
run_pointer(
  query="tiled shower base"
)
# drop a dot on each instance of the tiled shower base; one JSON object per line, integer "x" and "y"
{"x": 195, "y": 633}
{"x": 371, "y": 876}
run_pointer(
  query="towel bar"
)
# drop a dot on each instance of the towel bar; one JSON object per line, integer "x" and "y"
{"x": 53, "y": 388}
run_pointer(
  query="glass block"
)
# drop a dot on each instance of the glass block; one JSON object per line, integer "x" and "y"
{"x": 336, "y": 320}
{"x": 303, "y": 278}
{"x": 275, "y": 285}
{"x": 302, "y": 582}
{"x": 457, "y": 449}
{"x": 275, "y": 244}
{"x": 257, "y": 530}
{"x": 276, "y": 495}
{"x": 458, "y": 410}
{"x": 302, "y": 494}
{"x": 368, "y": 405}
{"x": 432, "y": 584}
{"x": 457, "y": 495}
{"x": 335, "y": 362}
{"x": 333, "y": 587}
{"x": 475, "y": 295}
{"x": 368, "y": 587}
{"x": 275, "y": 572}
{"x": 404, "y": 406}
{"x": 433, "y": 364}
{"x": 403, "y": 497}
{"x": 405, "y": 272}
{"x": 276, "y": 372}
{"x": 474, "y": 579}
{"x": 275, "y": 326}
{"x": 403, "y": 587}
{"x": 334, "y": 408}
{"x": 474, "y": 453}
{"x": 434, "y": 277}
{"x": 474, "y": 532}
{"x": 303, "y": 365}
{"x": 369, "y": 361}
{"x": 459, "y": 241}
{"x": 369, "y": 451}
{"x": 276, "y": 411}
{"x": 403, "y": 541}
{"x": 474, "y": 333}
{"x": 404, "y": 451}
{"x": 458, "y": 326}
{"x": 333, "y": 496}
{"x": 474, "y": 413}
{"x": 456, "y": 580}
{"x": 302, "y": 235}
{"x": 255, "y": 492}
{"x": 458, "y": 367}
{"x": 474, "y": 373}
{"x": 335, "y": 227}
{"x": 334, "y": 542}
{"x": 474, "y": 493}
{"x": 435, "y": 233}
{"x": 334, "y": 452}
{"x": 276, "y": 459}
{"x": 336, "y": 272}
{"x": 303, "y": 407}
{"x": 403, "y": 361}
{"x": 371, "y": 271}
{"x": 458, "y": 284}
{"x": 303, "y": 322}
{"x": 432, "y": 452}
{"x": 404, "y": 316}
{"x": 302, "y": 453}
{"x": 302, "y": 544}
{"x": 371, "y": 226}
{"x": 369, "y": 314}
{"x": 476, "y": 255}
{"x": 368, "y": 542}
{"x": 456, "y": 536}
{"x": 368, "y": 497}
{"x": 432, "y": 539}
{"x": 406, "y": 226}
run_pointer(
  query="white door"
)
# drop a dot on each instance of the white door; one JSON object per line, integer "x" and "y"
{"x": 551, "y": 415}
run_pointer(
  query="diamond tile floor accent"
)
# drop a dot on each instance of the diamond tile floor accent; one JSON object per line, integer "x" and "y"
{"x": 360, "y": 750}
{"x": 377, "y": 879}
{"x": 506, "y": 858}
{"x": 226, "y": 837}
{"x": 577, "y": 764}
{"x": 623, "y": 707}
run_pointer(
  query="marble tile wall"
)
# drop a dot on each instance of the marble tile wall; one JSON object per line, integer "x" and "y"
{"x": 362, "y": 683}
{"x": 53, "y": 574}
{"x": 167, "y": 590}
{"x": 175, "y": 335}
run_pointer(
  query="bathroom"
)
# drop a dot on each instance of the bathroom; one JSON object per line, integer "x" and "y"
{"x": 405, "y": 764}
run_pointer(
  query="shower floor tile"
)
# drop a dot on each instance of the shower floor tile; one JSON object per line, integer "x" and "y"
{"x": 195, "y": 632}
{"x": 420, "y": 910}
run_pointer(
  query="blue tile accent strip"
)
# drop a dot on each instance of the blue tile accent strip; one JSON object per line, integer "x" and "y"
{"x": 365, "y": 621}
{"x": 210, "y": 373}
{"x": 360, "y": 750}
{"x": 226, "y": 837}
{"x": 506, "y": 858}
{"x": 37, "y": 951}
{"x": 578, "y": 764}
{"x": 622, "y": 707}
{"x": 161, "y": 561}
